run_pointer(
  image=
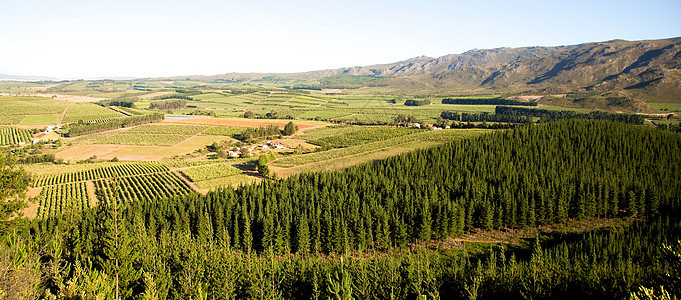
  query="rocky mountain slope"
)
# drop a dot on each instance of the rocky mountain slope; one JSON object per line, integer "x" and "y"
{"x": 629, "y": 68}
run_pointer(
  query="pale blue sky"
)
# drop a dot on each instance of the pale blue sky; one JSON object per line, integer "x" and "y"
{"x": 77, "y": 39}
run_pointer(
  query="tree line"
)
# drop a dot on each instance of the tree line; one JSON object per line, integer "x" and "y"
{"x": 168, "y": 104}
{"x": 553, "y": 115}
{"x": 72, "y": 130}
{"x": 485, "y": 117}
{"x": 487, "y": 101}
{"x": 412, "y": 102}
{"x": 121, "y": 102}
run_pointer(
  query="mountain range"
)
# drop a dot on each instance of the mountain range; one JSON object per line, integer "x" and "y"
{"x": 630, "y": 68}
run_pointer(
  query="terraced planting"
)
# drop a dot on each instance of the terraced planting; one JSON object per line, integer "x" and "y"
{"x": 14, "y": 136}
{"x": 142, "y": 187}
{"x": 58, "y": 199}
{"x": 118, "y": 170}
{"x": 209, "y": 172}
{"x": 88, "y": 113}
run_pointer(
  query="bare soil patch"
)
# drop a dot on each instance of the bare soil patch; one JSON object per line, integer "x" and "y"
{"x": 72, "y": 98}
{"x": 32, "y": 210}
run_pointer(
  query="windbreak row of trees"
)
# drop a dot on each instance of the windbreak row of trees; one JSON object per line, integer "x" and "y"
{"x": 484, "y": 117}
{"x": 553, "y": 115}
{"x": 88, "y": 128}
{"x": 487, "y": 101}
{"x": 121, "y": 102}
{"x": 168, "y": 104}
{"x": 413, "y": 102}
{"x": 263, "y": 131}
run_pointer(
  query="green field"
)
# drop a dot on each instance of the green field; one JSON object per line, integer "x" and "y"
{"x": 226, "y": 131}
{"x": 208, "y": 172}
{"x": 152, "y": 135}
{"x": 231, "y": 181}
{"x": 41, "y": 120}
{"x": 87, "y": 112}
{"x": 13, "y": 109}
{"x": 670, "y": 107}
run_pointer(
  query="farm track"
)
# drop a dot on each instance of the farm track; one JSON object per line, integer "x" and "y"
{"x": 94, "y": 201}
{"x": 63, "y": 114}
{"x": 187, "y": 181}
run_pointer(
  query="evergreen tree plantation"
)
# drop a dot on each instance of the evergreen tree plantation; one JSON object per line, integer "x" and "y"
{"x": 392, "y": 229}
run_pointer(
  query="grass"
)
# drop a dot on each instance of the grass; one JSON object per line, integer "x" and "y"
{"x": 670, "y": 107}
{"x": 41, "y": 120}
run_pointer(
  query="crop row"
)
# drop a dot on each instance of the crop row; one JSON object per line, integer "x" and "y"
{"x": 30, "y": 106}
{"x": 89, "y": 113}
{"x": 167, "y": 129}
{"x": 143, "y": 139}
{"x": 12, "y": 135}
{"x": 209, "y": 172}
{"x": 101, "y": 173}
{"x": 63, "y": 198}
{"x": 142, "y": 187}
{"x": 226, "y": 131}
{"x": 362, "y": 136}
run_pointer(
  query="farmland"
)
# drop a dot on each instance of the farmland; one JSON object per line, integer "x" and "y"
{"x": 153, "y": 135}
{"x": 208, "y": 172}
{"x": 141, "y": 187}
{"x": 364, "y": 171}
{"x": 12, "y": 135}
{"x": 88, "y": 113}
{"x": 63, "y": 198}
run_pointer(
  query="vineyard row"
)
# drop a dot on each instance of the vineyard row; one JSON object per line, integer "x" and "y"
{"x": 63, "y": 198}
{"x": 101, "y": 173}
{"x": 143, "y": 187}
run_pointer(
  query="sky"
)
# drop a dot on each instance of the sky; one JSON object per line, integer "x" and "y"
{"x": 92, "y": 39}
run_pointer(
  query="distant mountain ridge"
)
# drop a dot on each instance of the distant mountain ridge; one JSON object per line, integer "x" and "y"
{"x": 649, "y": 67}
